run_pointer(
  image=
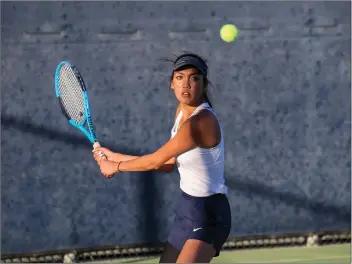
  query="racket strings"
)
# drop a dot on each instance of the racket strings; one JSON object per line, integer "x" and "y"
{"x": 71, "y": 94}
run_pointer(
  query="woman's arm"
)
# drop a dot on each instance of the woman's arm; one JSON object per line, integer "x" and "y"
{"x": 117, "y": 157}
{"x": 168, "y": 166}
{"x": 188, "y": 136}
{"x": 180, "y": 143}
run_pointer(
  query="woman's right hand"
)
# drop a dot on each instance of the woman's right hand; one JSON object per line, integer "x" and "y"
{"x": 100, "y": 151}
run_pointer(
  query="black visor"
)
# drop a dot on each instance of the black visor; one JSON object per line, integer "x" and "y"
{"x": 189, "y": 60}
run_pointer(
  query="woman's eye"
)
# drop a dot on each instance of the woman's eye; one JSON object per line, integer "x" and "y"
{"x": 178, "y": 77}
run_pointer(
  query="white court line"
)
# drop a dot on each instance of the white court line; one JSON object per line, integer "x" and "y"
{"x": 303, "y": 259}
{"x": 117, "y": 261}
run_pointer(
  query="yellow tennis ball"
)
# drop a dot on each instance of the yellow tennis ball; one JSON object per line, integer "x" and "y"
{"x": 228, "y": 33}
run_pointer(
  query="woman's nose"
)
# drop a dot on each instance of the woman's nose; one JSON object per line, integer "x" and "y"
{"x": 187, "y": 84}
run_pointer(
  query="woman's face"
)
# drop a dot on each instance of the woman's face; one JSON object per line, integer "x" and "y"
{"x": 188, "y": 86}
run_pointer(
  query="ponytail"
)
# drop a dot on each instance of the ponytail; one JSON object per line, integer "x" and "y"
{"x": 206, "y": 98}
{"x": 205, "y": 95}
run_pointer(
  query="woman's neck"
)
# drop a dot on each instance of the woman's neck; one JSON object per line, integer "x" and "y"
{"x": 187, "y": 110}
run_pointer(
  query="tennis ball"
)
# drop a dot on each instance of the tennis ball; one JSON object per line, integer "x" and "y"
{"x": 228, "y": 33}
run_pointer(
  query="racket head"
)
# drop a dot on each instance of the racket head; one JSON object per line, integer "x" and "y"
{"x": 73, "y": 98}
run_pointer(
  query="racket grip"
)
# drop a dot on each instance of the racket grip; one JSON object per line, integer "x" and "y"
{"x": 97, "y": 144}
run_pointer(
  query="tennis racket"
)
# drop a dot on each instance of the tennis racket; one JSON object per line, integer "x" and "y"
{"x": 73, "y": 99}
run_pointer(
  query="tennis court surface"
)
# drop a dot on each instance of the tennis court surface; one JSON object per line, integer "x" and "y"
{"x": 340, "y": 253}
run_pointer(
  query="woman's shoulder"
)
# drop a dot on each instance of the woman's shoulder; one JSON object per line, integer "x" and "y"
{"x": 205, "y": 118}
{"x": 205, "y": 129}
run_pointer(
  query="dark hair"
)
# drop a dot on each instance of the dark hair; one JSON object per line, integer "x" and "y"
{"x": 203, "y": 69}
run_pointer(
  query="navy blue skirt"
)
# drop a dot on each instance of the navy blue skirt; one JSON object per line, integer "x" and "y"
{"x": 204, "y": 218}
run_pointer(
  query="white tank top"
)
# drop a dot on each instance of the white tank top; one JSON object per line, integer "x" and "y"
{"x": 201, "y": 170}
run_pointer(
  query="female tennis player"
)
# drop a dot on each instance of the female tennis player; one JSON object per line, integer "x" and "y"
{"x": 202, "y": 216}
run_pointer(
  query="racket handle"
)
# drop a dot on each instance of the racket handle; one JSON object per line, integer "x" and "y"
{"x": 97, "y": 144}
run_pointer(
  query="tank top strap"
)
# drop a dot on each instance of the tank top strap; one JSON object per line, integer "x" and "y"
{"x": 177, "y": 121}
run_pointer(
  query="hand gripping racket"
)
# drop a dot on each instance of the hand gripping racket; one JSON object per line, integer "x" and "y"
{"x": 73, "y": 99}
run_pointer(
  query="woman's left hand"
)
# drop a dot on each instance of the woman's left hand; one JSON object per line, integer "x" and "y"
{"x": 108, "y": 168}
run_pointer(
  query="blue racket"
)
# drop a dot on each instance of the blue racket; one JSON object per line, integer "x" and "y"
{"x": 73, "y": 99}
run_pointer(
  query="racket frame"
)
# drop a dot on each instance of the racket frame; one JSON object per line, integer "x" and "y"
{"x": 90, "y": 133}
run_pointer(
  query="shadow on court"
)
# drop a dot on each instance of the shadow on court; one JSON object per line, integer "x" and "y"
{"x": 339, "y": 213}
{"x": 146, "y": 186}
{"x": 149, "y": 228}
